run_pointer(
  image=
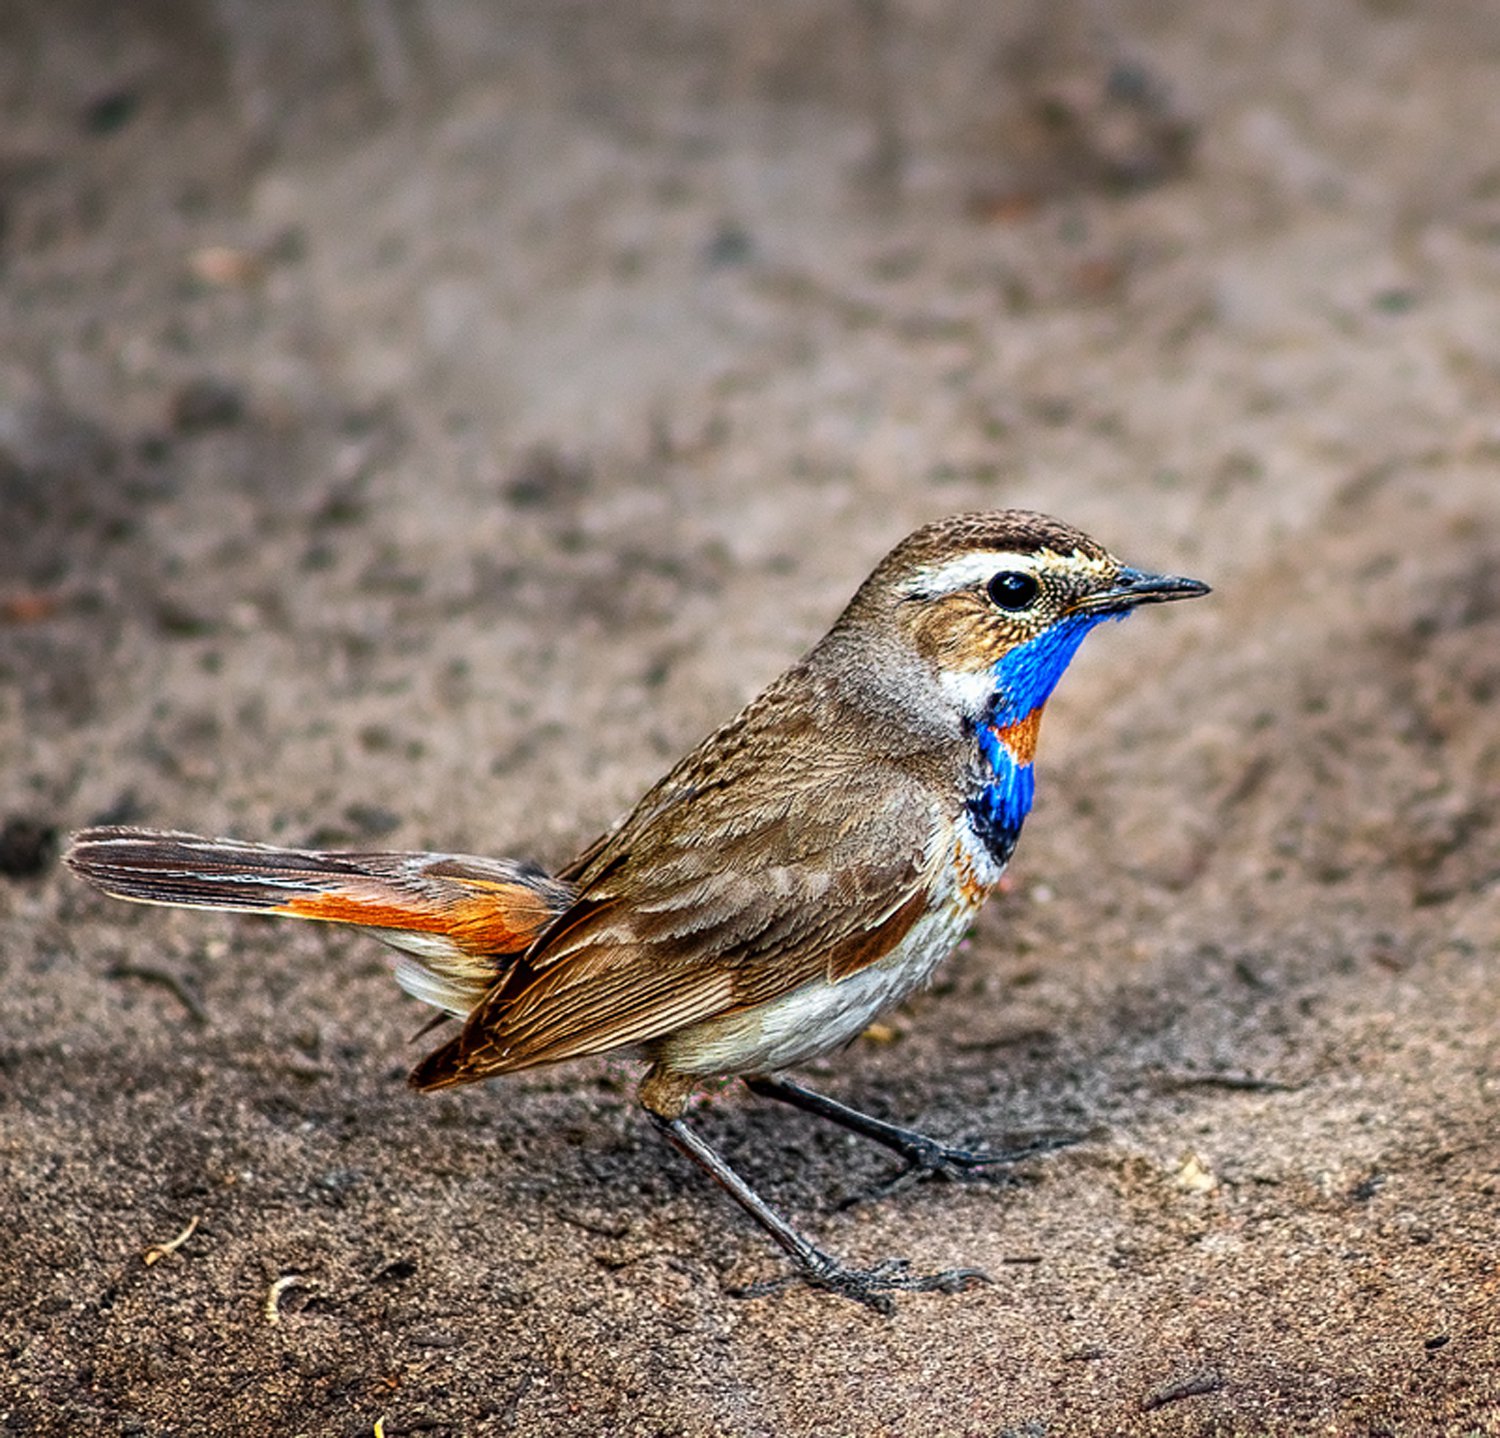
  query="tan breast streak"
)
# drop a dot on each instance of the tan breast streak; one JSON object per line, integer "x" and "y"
{"x": 969, "y": 888}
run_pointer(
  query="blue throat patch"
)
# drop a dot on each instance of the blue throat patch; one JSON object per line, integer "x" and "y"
{"x": 1024, "y": 681}
{"x": 1026, "y": 677}
{"x": 1001, "y": 806}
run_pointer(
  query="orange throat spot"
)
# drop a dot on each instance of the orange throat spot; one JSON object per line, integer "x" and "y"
{"x": 1020, "y": 737}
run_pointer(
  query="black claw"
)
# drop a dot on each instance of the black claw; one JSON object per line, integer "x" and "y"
{"x": 955, "y": 1165}
{"x": 765, "y": 1287}
{"x": 955, "y": 1162}
{"x": 871, "y": 1287}
{"x": 925, "y": 1158}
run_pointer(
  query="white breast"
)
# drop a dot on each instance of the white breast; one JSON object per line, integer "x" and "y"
{"x": 821, "y": 1016}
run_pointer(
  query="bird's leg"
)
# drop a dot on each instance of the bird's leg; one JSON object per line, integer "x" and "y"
{"x": 925, "y": 1157}
{"x": 870, "y": 1286}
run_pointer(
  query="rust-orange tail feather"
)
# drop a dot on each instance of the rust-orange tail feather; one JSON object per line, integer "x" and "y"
{"x": 456, "y": 920}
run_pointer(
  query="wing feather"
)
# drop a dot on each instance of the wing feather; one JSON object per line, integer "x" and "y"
{"x": 725, "y": 898}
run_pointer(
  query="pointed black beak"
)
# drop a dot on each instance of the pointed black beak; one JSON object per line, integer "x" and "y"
{"x": 1132, "y": 587}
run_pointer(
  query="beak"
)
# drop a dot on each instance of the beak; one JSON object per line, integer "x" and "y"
{"x": 1135, "y": 586}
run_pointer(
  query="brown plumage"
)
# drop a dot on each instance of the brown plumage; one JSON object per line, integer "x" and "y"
{"x": 805, "y": 866}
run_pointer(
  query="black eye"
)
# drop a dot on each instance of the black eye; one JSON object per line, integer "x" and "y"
{"x": 1013, "y": 590}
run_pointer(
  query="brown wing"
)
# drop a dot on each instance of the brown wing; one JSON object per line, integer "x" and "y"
{"x": 731, "y": 883}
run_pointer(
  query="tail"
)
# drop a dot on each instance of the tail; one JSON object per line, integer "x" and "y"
{"x": 456, "y": 921}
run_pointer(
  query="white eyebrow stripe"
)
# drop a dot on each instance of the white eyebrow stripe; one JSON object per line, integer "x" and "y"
{"x": 980, "y": 565}
{"x": 972, "y": 568}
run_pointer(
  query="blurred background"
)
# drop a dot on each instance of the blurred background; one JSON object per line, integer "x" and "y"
{"x": 420, "y": 422}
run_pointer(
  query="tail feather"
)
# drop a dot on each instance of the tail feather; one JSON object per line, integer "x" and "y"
{"x": 457, "y": 920}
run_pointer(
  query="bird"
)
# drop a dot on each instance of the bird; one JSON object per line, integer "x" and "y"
{"x": 806, "y": 867}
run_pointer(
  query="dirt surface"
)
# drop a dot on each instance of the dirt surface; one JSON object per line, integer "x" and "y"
{"x": 418, "y": 424}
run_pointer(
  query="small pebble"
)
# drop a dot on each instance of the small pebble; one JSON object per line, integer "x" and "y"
{"x": 27, "y": 846}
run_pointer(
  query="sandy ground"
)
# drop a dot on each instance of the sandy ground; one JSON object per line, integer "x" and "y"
{"x": 418, "y": 424}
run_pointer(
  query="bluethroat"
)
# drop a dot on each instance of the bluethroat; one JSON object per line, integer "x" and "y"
{"x": 805, "y": 867}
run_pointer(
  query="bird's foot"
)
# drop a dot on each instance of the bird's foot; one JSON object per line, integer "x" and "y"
{"x": 926, "y": 1158}
{"x": 871, "y": 1287}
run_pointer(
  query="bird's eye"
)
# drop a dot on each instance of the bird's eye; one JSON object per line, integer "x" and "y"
{"x": 1012, "y": 590}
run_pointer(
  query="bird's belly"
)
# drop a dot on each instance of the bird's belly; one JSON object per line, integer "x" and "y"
{"x": 821, "y": 1015}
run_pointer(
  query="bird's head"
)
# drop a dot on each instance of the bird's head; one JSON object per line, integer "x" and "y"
{"x": 994, "y": 605}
